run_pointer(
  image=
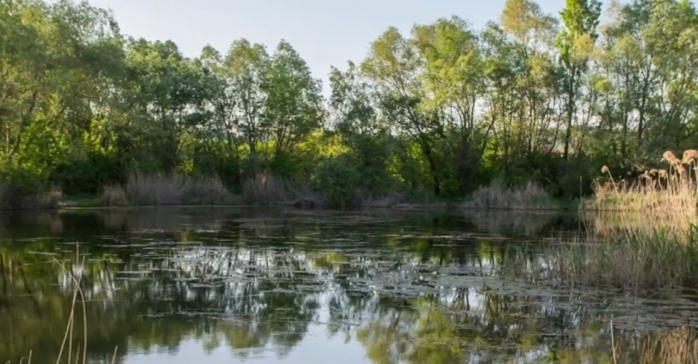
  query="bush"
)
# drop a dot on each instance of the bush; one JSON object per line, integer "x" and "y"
{"x": 88, "y": 174}
{"x": 23, "y": 187}
{"x": 338, "y": 179}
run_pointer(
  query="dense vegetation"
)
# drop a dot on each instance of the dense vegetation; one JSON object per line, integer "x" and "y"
{"x": 437, "y": 113}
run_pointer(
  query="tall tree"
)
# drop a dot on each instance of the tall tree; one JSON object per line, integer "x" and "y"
{"x": 580, "y": 19}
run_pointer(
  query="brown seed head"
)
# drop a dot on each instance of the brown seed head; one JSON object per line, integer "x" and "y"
{"x": 669, "y": 156}
{"x": 604, "y": 169}
{"x": 689, "y": 156}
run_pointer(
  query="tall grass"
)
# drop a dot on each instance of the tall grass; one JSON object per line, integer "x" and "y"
{"x": 160, "y": 190}
{"x": 498, "y": 196}
{"x": 670, "y": 191}
{"x": 643, "y": 263}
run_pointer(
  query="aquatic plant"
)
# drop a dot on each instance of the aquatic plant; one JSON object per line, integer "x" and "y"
{"x": 641, "y": 263}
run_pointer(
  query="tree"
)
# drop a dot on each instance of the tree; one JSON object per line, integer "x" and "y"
{"x": 165, "y": 94}
{"x": 580, "y": 19}
{"x": 293, "y": 105}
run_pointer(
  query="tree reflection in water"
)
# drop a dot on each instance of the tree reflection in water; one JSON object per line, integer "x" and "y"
{"x": 408, "y": 289}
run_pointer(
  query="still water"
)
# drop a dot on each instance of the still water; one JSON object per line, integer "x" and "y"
{"x": 230, "y": 285}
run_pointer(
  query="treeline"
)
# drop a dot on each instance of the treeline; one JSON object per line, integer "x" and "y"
{"x": 439, "y": 112}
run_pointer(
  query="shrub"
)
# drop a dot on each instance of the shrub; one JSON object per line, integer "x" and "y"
{"x": 23, "y": 187}
{"x": 338, "y": 179}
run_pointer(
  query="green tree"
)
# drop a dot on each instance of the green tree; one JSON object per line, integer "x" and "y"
{"x": 580, "y": 19}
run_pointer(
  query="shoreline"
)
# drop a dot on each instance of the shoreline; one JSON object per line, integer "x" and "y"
{"x": 564, "y": 206}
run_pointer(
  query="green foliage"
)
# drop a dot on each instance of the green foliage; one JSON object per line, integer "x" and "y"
{"x": 22, "y": 180}
{"x": 338, "y": 178}
{"x": 438, "y": 112}
{"x": 88, "y": 174}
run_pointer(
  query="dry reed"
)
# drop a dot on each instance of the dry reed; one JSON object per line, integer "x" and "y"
{"x": 662, "y": 191}
{"x": 671, "y": 346}
{"x": 497, "y": 196}
{"x": 113, "y": 195}
{"x": 642, "y": 234}
{"x": 159, "y": 191}
{"x": 272, "y": 190}
{"x": 265, "y": 189}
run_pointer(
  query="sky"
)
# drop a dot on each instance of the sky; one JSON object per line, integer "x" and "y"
{"x": 324, "y": 32}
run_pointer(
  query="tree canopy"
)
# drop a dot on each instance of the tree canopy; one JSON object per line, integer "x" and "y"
{"x": 533, "y": 97}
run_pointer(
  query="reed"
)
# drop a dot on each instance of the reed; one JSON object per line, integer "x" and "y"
{"x": 161, "y": 191}
{"x": 665, "y": 191}
{"x": 266, "y": 189}
{"x": 678, "y": 345}
{"x": 636, "y": 224}
{"x": 113, "y": 196}
{"x": 641, "y": 263}
{"x": 498, "y": 196}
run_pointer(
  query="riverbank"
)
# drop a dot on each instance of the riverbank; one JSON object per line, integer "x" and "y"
{"x": 95, "y": 202}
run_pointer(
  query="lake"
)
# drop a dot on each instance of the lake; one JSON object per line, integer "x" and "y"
{"x": 214, "y": 285}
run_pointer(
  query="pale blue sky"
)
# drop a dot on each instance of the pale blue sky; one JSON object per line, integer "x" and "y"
{"x": 325, "y": 32}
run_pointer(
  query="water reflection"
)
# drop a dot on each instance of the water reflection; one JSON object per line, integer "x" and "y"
{"x": 378, "y": 287}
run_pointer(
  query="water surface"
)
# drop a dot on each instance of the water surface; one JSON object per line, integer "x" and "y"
{"x": 214, "y": 285}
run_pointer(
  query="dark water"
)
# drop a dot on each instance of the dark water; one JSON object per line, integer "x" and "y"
{"x": 215, "y": 285}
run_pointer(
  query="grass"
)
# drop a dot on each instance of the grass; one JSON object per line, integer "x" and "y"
{"x": 498, "y": 196}
{"x": 80, "y": 200}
